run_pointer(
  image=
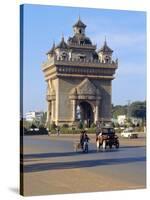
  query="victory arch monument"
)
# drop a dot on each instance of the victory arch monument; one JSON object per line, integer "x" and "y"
{"x": 79, "y": 80}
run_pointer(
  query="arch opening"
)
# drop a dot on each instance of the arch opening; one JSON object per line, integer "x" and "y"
{"x": 85, "y": 113}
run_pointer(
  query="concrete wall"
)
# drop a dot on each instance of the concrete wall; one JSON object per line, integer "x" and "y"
{"x": 63, "y": 105}
{"x": 105, "y": 103}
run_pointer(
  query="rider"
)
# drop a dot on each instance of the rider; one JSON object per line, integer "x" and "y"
{"x": 83, "y": 137}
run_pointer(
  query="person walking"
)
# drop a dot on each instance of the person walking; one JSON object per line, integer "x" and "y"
{"x": 58, "y": 130}
{"x": 83, "y": 137}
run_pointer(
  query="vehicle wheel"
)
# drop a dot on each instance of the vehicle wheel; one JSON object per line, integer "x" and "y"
{"x": 104, "y": 144}
{"x": 117, "y": 145}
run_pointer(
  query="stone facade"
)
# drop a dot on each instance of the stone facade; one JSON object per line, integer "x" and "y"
{"x": 79, "y": 77}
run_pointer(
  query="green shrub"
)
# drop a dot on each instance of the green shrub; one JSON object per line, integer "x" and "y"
{"x": 41, "y": 126}
{"x": 93, "y": 125}
{"x": 80, "y": 125}
{"x": 33, "y": 126}
{"x": 65, "y": 126}
{"x": 26, "y": 124}
{"x": 91, "y": 130}
{"x": 53, "y": 126}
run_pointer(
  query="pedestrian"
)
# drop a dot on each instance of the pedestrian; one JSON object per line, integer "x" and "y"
{"x": 83, "y": 137}
{"x": 58, "y": 130}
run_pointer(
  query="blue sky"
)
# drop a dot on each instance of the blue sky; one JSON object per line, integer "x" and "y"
{"x": 125, "y": 32}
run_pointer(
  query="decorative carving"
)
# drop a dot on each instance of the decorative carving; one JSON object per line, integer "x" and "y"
{"x": 85, "y": 90}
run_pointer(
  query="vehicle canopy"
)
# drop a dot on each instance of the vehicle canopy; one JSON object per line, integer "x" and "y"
{"x": 108, "y": 131}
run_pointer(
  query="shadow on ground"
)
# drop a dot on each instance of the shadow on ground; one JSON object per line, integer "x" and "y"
{"x": 80, "y": 164}
{"x": 72, "y": 153}
{"x": 62, "y": 154}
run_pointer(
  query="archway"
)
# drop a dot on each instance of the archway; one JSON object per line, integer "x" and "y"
{"x": 85, "y": 113}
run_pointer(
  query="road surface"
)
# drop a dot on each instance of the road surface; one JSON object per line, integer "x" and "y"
{"x": 52, "y": 167}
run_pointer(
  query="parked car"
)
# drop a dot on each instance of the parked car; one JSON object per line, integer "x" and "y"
{"x": 36, "y": 131}
{"x": 129, "y": 133}
{"x": 107, "y": 137}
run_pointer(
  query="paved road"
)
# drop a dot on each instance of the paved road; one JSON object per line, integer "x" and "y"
{"x": 52, "y": 167}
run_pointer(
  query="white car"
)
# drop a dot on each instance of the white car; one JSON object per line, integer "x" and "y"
{"x": 34, "y": 129}
{"x": 129, "y": 133}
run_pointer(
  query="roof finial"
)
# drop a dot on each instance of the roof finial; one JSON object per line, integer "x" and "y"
{"x": 105, "y": 41}
{"x": 62, "y": 36}
{"x": 79, "y": 16}
{"x": 53, "y": 43}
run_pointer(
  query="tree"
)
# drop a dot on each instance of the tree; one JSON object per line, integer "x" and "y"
{"x": 138, "y": 109}
{"x": 119, "y": 110}
{"x": 36, "y": 123}
{"x": 27, "y": 124}
{"x": 43, "y": 119}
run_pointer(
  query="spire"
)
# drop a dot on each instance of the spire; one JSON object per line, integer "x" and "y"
{"x": 62, "y": 43}
{"x": 51, "y": 51}
{"x": 105, "y": 47}
{"x": 53, "y": 44}
{"x": 105, "y": 42}
{"x": 79, "y": 23}
{"x": 62, "y": 37}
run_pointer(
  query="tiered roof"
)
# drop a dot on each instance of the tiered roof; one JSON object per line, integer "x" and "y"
{"x": 79, "y": 23}
{"x": 105, "y": 48}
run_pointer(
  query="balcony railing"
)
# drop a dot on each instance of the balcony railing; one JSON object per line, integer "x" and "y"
{"x": 90, "y": 46}
{"x": 77, "y": 61}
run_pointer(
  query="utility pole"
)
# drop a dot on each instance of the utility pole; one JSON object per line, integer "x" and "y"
{"x": 128, "y": 109}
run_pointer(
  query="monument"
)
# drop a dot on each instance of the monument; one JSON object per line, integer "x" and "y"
{"x": 79, "y": 80}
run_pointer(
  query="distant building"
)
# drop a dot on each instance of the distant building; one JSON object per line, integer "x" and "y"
{"x": 31, "y": 116}
{"x": 136, "y": 121}
{"x": 113, "y": 120}
{"x": 121, "y": 119}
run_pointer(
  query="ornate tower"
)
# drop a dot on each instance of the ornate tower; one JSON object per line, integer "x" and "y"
{"x": 105, "y": 53}
{"x": 79, "y": 28}
{"x": 79, "y": 80}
